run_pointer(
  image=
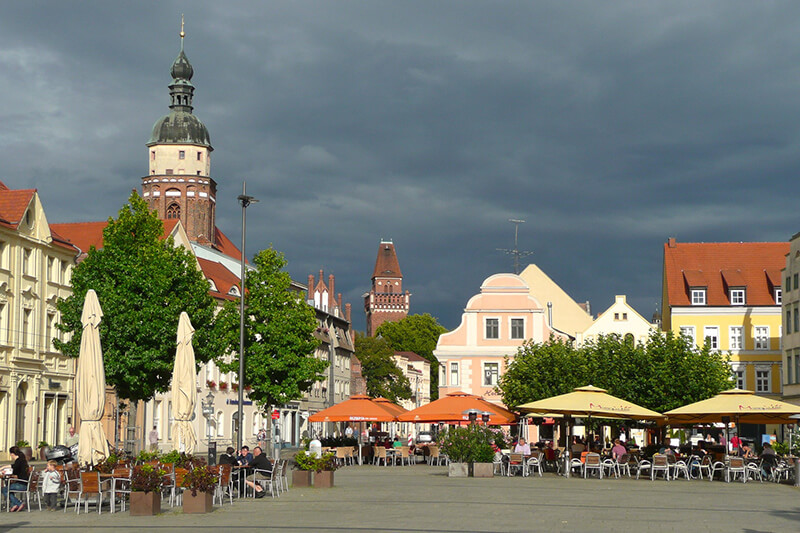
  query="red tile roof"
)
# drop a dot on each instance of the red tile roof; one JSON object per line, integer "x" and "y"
{"x": 223, "y": 278}
{"x": 13, "y": 205}
{"x": 226, "y": 246}
{"x": 84, "y": 235}
{"x": 386, "y": 265}
{"x": 411, "y": 356}
{"x": 720, "y": 265}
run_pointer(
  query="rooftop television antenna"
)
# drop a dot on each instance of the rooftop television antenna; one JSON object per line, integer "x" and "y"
{"x": 516, "y": 252}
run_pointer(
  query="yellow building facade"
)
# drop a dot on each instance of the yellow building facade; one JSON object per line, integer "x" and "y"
{"x": 729, "y": 295}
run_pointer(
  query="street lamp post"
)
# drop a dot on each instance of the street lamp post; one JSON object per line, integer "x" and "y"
{"x": 208, "y": 413}
{"x": 245, "y": 201}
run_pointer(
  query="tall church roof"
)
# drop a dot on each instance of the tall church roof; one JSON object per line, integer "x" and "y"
{"x": 386, "y": 265}
{"x": 180, "y": 126}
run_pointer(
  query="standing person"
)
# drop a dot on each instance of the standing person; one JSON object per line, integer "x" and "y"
{"x": 262, "y": 438}
{"x": 153, "y": 438}
{"x": 348, "y": 432}
{"x": 736, "y": 443}
{"x": 19, "y": 470}
{"x": 73, "y": 438}
{"x": 51, "y": 482}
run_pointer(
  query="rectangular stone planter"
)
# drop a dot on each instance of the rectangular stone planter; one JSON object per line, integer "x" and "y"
{"x": 145, "y": 503}
{"x": 458, "y": 470}
{"x": 323, "y": 480}
{"x": 202, "y": 503}
{"x": 301, "y": 478}
{"x": 482, "y": 470}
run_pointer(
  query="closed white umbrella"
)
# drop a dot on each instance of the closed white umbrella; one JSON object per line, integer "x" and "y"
{"x": 184, "y": 388}
{"x": 90, "y": 385}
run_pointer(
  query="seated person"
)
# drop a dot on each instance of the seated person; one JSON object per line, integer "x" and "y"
{"x": 747, "y": 451}
{"x": 577, "y": 446}
{"x": 228, "y": 458}
{"x": 618, "y": 450}
{"x": 261, "y": 463}
{"x": 522, "y": 447}
{"x": 768, "y": 450}
{"x": 244, "y": 456}
{"x": 397, "y": 443}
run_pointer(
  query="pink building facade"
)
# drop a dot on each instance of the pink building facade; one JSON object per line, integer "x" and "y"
{"x": 494, "y": 325}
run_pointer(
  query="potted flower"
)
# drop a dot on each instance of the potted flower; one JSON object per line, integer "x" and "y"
{"x": 304, "y": 465}
{"x": 481, "y": 451}
{"x": 211, "y": 384}
{"x": 323, "y": 472}
{"x": 199, "y": 483}
{"x": 43, "y": 448}
{"x": 146, "y": 490}
{"x": 107, "y": 465}
{"x": 235, "y": 386}
{"x": 25, "y": 447}
{"x": 454, "y": 442}
{"x": 223, "y": 386}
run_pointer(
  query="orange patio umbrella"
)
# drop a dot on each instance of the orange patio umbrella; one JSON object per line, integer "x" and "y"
{"x": 386, "y": 403}
{"x": 358, "y": 408}
{"x": 456, "y": 407}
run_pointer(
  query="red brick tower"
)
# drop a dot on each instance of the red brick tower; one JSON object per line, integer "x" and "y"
{"x": 386, "y": 300}
{"x": 179, "y": 152}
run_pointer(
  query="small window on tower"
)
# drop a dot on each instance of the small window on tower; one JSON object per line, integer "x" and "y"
{"x": 173, "y": 211}
{"x": 169, "y": 172}
{"x": 199, "y": 156}
{"x": 198, "y": 172}
{"x": 152, "y": 155}
{"x": 181, "y": 154}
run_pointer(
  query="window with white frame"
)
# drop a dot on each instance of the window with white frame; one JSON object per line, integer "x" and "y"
{"x": 170, "y": 420}
{"x": 778, "y": 295}
{"x": 220, "y": 424}
{"x": 492, "y": 328}
{"x": 26, "y": 327}
{"x": 491, "y": 372}
{"x": 761, "y": 336}
{"x": 27, "y": 265}
{"x": 738, "y": 378}
{"x": 737, "y": 296}
{"x": 797, "y": 365}
{"x": 453, "y": 374}
{"x": 735, "y": 340}
{"x": 443, "y": 374}
{"x": 698, "y": 297}
{"x": 762, "y": 380}
{"x": 517, "y": 328}
{"x": 711, "y": 336}
{"x": 688, "y": 332}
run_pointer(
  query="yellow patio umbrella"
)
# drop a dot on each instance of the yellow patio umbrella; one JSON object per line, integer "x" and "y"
{"x": 184, "y": 388}
{"x": 90, "y": 385}
{"x": 589, "y": 402}
{"x": 740, "y": 405}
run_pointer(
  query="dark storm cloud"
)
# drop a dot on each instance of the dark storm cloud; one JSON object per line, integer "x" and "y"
{"x": 608, "y": 126}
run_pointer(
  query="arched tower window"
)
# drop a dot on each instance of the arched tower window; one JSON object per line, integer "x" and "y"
{"x": 173, "y": 211}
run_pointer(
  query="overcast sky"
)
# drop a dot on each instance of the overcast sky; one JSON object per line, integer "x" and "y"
{"x": 607, "y": 126}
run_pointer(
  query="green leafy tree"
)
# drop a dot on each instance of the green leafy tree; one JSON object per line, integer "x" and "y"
{"x": 383, "y": 376}
{"x": 418, "y": 334}
{"x": 279, "y": 344}
{"x": 664, "y": 373}
{"x": 143, "y": 282}
{"x": 541, "y": 370}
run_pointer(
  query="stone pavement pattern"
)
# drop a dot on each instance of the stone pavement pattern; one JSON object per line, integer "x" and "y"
{"x": 423, "y": 499}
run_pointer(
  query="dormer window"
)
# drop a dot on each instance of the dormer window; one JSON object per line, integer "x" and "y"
{"x": 736, "y": 296}
{"x": 234, "y": 291}
{"x": 778, "y": 295}
{"x": 699, "y": 296}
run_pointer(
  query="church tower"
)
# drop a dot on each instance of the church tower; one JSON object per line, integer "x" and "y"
{"x": 179, "y": 154}
{"x": 386, "y": 300}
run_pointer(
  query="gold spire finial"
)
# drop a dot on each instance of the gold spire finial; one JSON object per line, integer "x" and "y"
{"x": 183, "y": 33}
